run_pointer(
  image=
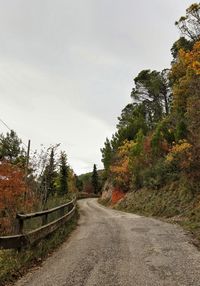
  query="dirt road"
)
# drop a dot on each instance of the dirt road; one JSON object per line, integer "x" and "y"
{"x": 115, "y": 248}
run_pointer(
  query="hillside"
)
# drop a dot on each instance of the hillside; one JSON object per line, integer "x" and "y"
{"x": 152, "y": 161}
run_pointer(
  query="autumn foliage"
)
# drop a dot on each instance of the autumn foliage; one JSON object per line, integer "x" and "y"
{"x": 12, "y": 193}
{"x": 157, "y": 141}
{"x": 191, "y": 59}
{"x": 117, "y": 195}
{"x": 120, "y": 168}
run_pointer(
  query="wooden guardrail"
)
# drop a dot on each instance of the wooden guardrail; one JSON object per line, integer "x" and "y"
{"x": 23, "y": 239}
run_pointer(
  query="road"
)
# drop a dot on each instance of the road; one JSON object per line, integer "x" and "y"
{"x": 111, "y": 248}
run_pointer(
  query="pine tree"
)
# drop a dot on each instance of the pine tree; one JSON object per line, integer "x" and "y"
{"x": 106, "y": 155}
{"x": 95, "y": 180}
{"x": 63, "y": 176}
{"x": 48, "y": 178}
{"x": 51, "y": 173}
{"x": 10, "y": 148}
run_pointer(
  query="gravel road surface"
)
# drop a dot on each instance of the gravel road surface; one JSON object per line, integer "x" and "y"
{"x": 116, "y": 248}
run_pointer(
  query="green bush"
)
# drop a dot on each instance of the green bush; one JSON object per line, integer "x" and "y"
{"x": 158, "y": 175}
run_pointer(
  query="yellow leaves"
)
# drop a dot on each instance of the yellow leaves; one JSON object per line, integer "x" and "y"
{"x": 183, "y": 73}
{"x": 196, "y": 67}
{"x": 182, "y": 147}
{"x": 120, "y": 167}
{"x": 126, "y": 159}
{"x": 126, "y": 147}
{"x": 191, "y": 59}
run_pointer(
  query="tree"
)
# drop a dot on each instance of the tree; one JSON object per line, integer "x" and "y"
{"x": 51, "y": 172}
{"x": 78, "y": 183}
{"x": 86, "y": 183}
{"x": 119, "y": 170}
{"x": 12, "y": 190}
{"x": 165, "y": 90}
{"x": 193, "y": 115}
{"x": 157, "y": 139}
{"x": 63, "y": 175}
{"x": 181, "y": 43}
{"x": 132, "y": 119}
{"x": 10, "y": 148}
{"x": 48, "y": 178}
{"x": 185, "y": 77}
{"x": 95, "y": 180}
{"x": 106, "y": 155}
{"x": 153, "y": 92}
{"x": 189, "y": 25}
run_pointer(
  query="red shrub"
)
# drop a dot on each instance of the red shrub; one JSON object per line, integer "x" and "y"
{"x": 117, "y": 195}
{"x": 12, "y": 195}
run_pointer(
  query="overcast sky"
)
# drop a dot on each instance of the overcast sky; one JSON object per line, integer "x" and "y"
{"x": 67, "y": 67}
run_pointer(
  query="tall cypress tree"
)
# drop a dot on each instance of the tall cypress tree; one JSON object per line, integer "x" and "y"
{"x": 63, "y": 174}
{"x": 95, "y": 180}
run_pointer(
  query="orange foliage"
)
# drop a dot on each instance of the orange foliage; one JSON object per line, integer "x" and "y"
{"x": 181, "y": 155}
{"x": 184, "y": 71}
{"x": 120, "y": 169}
{"x": 117, "y": 195}
{"x": 12, "y": 192}
{"x": 192, "y": 59}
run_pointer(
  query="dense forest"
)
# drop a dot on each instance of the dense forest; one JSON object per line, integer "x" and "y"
{"x": 155, "y": 151}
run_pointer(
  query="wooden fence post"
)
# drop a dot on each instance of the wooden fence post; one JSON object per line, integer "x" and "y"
{"x": 62, "y": 212}
{"x": 44, "y": 219}
{"x": 20, "y": 225}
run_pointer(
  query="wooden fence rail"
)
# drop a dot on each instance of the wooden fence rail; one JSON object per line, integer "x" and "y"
{"x": 23, "y": 238}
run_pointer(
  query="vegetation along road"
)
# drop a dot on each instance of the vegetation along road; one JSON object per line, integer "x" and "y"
{"x": 115, "y": 248}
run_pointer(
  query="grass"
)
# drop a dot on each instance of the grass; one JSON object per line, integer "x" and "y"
{"x": 54, "y": 201}
{"x": 13, "y": 263}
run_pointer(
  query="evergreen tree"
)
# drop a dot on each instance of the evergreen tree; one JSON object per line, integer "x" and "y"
{"x": 152, "y": 90}
{"x": 10, "y": 148}
{"x": 63, "y": 176}
{"x": 181, "y": 43}
{"x": 51, "y": 172}
{"x": 48, "y": 178}
{"x": 95, "y": 180}
{"x": 106, "y": 155}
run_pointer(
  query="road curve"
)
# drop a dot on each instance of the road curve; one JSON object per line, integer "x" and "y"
{"x": 111, "y": 248}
